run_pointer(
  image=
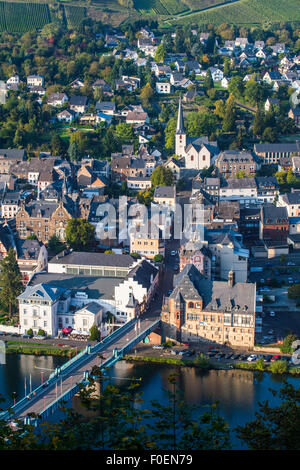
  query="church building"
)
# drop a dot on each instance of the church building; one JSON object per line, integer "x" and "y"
{"x": 197, "y": 151}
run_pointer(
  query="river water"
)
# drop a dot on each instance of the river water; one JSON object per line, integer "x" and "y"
{"x": 238, "y": 392}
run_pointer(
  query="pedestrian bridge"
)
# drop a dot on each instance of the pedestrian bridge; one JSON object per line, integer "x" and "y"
{"x": 65, "y": 381}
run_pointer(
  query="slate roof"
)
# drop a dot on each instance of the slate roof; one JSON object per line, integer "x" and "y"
{"x": 93, "y": 259}
{"x": 28, "y": 249}
{"x": 274, "y": 215}
{"x": 43, "y": 291}
{"x": 165, "y": 191}
{"x": 142, "y": 274}
{"x": 94, "y": 286}
{"x": 13, "y": 153}
{"x": 190, "y": 284}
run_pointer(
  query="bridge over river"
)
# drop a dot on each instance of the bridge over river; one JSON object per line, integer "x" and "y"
{"x": 64, "y": 382}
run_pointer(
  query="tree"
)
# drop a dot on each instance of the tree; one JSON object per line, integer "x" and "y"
{"x": 73, "y": 152}
{"x": 286, "y": 347}
{"x": 208, "y": 81}
{"x": 236, "y": 86}
{"x": 160, "y": 54}
{"x": 275, "y": 428}
{"x": 10, "y": 282}
{"x": 229, "y": 116}
{"x": 258, "y": 123}
{"x": 158, "y": 258}
{"x": 55, "y": 245}
{"x": 146, "y": 94}
{"x": 201, "y": 124}
{"x": 170, "y": 131}
{"x": 41, "y": 332}
{"x": 80, "y": 234}
{"x": 124, "y": 131}
{"x": 94, "y": 333}
{"x": 162, "y": 176}
{"x": 30, "y": 332}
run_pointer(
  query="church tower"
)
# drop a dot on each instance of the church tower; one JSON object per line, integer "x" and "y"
{"x": 180, "y": 137}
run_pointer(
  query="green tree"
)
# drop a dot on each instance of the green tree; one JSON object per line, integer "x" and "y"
{"x": 229, "y": 116}
{"x": 94, "y": 333}
{"x": 201, "y": 124}
{"x": 275, "y": 428}
{"x": 146, "y": 94}
{"x": 160, "y": 54}
{"x": 278, "y": 367}
{"x": 162, "y": 176}
{"x": 73, "y": 152}
{"x": 158, "y": 258}
{"x": 170, "y": 131}
{"x": 124, "y": 131}
{"x": 55, "y": 245}
{"x": 30, "y": 332}
{"x": 286, "y": 346}
{"x": 41, "y": 332}
{"x": 80, "y": 234}
{"x": 10, "y": 282}
{"x": 236, "y": 87}
{"x": 208, "y": 81}
{"x": 258, "y": 123}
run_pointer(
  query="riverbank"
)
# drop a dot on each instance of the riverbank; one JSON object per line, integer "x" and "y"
{"x": 280, "y": 367}
{"x": 41, "y": 351}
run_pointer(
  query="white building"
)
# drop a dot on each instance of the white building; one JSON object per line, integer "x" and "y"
{"x": 163, "y": 88}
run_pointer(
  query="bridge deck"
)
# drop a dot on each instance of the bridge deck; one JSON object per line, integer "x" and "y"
{"x": 74, "y": 373}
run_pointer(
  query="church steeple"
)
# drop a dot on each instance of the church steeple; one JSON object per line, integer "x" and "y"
{"x": 180, "y": 124}
{"x": 180, "y": 137}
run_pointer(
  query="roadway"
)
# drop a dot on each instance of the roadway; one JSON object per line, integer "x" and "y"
{"x": 70, "y": 377}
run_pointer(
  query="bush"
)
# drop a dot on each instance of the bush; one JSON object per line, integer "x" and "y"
{"x": 278, "y": 367}
{"x": 202, "y": 361}
{"x": 30, "y": 332}
{"x": 168, "y": 344}
{"x": 41, "y": 332}
{"x": 286, "y": 347}
{"x": 94, "y": 333}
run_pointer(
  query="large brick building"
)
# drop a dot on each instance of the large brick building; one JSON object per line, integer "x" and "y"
{"x": 43, "y": 219}
{"x": 200, "y": 309}
{"x": 274, "y": 223}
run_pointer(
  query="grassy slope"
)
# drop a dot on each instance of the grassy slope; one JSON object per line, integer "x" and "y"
{"x": 247, "y": 12}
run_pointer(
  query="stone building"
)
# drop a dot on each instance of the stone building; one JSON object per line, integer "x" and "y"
{"x": 203, "y": 310}
{"x": 43, "y": 219}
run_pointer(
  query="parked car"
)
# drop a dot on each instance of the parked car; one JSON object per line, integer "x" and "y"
{"x": 290, "y": 263}
{"x": 277, "y": 357}
{"x": 2, "y": 333}
{"x": 26, "y": 336}
{"x": 157, "y": 346}
{"x": 39, "y": 337}
{"x": 252, "y": 357}
{"x": 173, "y": 253}
{"x": 173, "y": 352}
{"x": 272, "y": 314}
{"x": 267, "y": 358}
{"x": 190, "y": 352}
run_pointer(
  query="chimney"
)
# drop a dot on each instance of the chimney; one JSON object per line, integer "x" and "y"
{"x": 231, "y": 278}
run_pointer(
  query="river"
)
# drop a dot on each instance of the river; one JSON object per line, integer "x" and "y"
{"x": 238, "y": 392}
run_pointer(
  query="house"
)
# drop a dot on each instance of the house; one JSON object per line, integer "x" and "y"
{"x": 272, "y": 103}
{"x": 79, "y": 104}
{"x": 203, "y": 37}
{"x": 165, "y": 195}
{"x": 77, "y": 84}
{"x": 231, "y": 162}
{"x": 176, "y": 79}
{"x": 216, "y": 74}
{"x": 67, "y": 115}
{"x": 7, "y": 239}
{"x": 137, "y": 118}
{"x": 243, "y": 190}
{"x": 10, "y": 157}
{"x": 57, "y": 99}
{"x": 270, "y": 77}
{"x": 39, "y": 90}
{"x": 163, "y": 88}
{"x": 106, "y": 107}
{"x": 274, "y": 223}
{"x": 200, "y": 309}
{"x": 296, "y": 165}
{"x": 32, "y": 257}
{"x": 175, "y": 165}
{"x": 13, "y": 82}
{"x": 225, "y": 82}
{"x": 294, "y": 113}
{"x": 10, "y": 204}
{"x": 147, "y": 243}
{"x": 241, "y": 43}
{"x": 190, "y": 95}
{"x": 291, "y": 201}
{"x": 35, "y": 80}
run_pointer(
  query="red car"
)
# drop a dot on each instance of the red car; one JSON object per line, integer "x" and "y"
{"x": 276, "y": 357}
{"x": 68, "y": 330}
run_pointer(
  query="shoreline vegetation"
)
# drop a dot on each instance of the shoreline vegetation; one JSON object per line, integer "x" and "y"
{"x": 203, "y": 363}
{"x": 41, "y": 350}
